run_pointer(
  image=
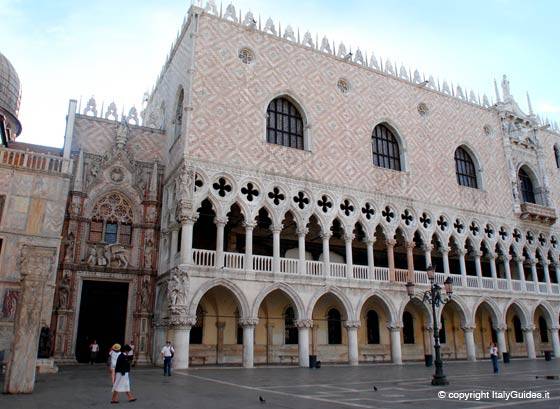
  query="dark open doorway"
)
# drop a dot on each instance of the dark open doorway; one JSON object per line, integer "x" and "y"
{"x": 102, "y": 317}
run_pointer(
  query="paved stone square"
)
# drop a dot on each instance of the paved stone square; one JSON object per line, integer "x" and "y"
{"x": 398, "y": 387}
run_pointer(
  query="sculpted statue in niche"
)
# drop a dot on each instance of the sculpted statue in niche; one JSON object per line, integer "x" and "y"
{"x": 69, "y": 255}
{"x": 151, "y": 214}
{"x": 9, "y": 304}
{"x": 148, "y": 253}
{"x": 145, "y": 296}
{"x": 122, "y": 134}
{"x": 177, "y": 291}
{"x": 64, "y": 292}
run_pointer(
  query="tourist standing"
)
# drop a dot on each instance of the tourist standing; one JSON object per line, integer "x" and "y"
{"x": 93, "y": 351}
{"x": 122, "y": 379}
{"x": 113, "y": 356}
{"x": 167, "y": 353}
{"x": 494, "y": 356}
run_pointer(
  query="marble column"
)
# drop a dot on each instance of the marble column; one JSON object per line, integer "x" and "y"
{"x": 181, "y": 340}
{"x": 349, "y": 263}
{"x": 37, "y": 275}
{"x": 370, "y": 257}
{"x": 428, "y": 254}
{"x": 276, "y": 230}
{"x": 220, "y": 327}
{"x": 326, "y": 253}
{"x": 248, "y": 325}
{"x": 391, "y": 258}
{"x": 501, "y": 338}
{"x": 174, "y": 241}
{"x": 492, "y": 262}
{"x": 220, "y": 225}
{"x": 301, "y": 233}
{"x": 410, "y": 260}
{"x": 429, "y": 347}
{"x": 555, "y": 341}
{"x": 249, "y": 245}
{"x": 521, "y": 271}
{"x": 534, "y": 276}
{"x": 462, "y": 266}
{"x": 506, "y": 259}
{"x": 187, "y": 225}
{"x": 546, "y": 271}
{"x": 477, "y": 265}
{"x": 396, "y": 354}
{"x": 469, "y": 342}
{"x": 303, "y": 341}
{"x": 445, "y": 259}
{"x": 352, "y": 328}
{"x": 529, "y": 341}
{"x": 557, "y": 270}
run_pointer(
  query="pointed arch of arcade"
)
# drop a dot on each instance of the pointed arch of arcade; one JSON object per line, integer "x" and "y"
{"x": 348, "y": 313}
{"x": 459, "y": 306}
{"x": 549, "y": 310}
{"x": 240, "y": 298}
{"x": 492, "y": 307}
{"x": 417, "y": 302}
{"x": 520, "y": 309}
{"x": 383, "y": 300}
{"x": 292, "y": 295}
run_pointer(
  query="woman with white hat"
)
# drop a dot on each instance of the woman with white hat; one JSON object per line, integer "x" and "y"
{"x": 113, "y": 355}
{"x": 122, "y": 380}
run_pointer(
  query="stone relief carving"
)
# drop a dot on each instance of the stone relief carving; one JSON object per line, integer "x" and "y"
{"x": 148, "y": 253}
{"x": 111, "y": 255}
{"x": 9, "y": 304}
{"x": 145, "y": 294}
{"x": 64, "y": 292}
{"x": 70, "y": 243}
{"x": 177, "y": 290}
{"x": 122, "y": 134}
{"x": 117, "y": 174}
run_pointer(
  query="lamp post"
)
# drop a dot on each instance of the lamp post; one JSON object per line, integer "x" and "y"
{"x": 434, "y": 297}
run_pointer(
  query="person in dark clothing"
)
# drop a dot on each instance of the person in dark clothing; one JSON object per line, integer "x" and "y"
{"x": 122, "y": 380}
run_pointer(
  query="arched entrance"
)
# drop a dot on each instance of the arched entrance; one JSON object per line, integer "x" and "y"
{"x": 486, "y": 322}
{"x": 451, "y": 335}
{"x": 517, "y": 333}
{"x": 416, "y": 331}
{"x": 374, "y": 338}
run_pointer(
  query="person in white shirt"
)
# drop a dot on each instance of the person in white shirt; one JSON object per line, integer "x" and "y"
{"x": 494, "y": 356}
{"x": 130, "y": 354}
{"x": 113, "y": 355}
{"x": 93, "y": 351}
{"x": 167, "y": 353}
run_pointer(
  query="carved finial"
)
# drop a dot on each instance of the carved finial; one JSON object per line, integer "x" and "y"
{"x": 529, "y": 104}
{"x": 122, "y": 133}
{"x": 91, "y": 106}
{"x": 359, "y": 58}
{"x": 132, "y": 116}
{"x": 341, "y": 51}
{"x": 472, "y": 97}
{"x": 307, "y": 40}
{"x": 325, "y": 46}
{"x": 485, "y": 102}
{"x": 496, "y": 91}
{"x": 230, "y": 13}
{"x": 389, "y": 68}
{"x": 249, "y": 20}
{"x": 416, "y": 79}
{"x": 459, "y": 93}
{"x": 445, "y": 88}
{"x": 269, "y": 27}
{"x": 403, "y": 73}
{"x": 432, "y": 83}
{"x": 505, "y": 89}
{"x": 289, "y": 33}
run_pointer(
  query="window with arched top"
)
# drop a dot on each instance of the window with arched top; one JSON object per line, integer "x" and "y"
{"x": 290, "y": 328}
{"x": 334, "y": 327}
{"x": 543, "y": 329}
{"x": 442, "y": 333}
{"x": 372, "y": 327}
{"x": 526, "y": 188}
{"x": 179, "y": 113}
{"x": 385, "y": 148}
{"x": 284, "y": 124}
{"x": 465, "y": 168}
{"x": 111, "y": 220}
{"x": 557, "y": 156}
{"x": 408, "y": 328}
{"x": 517, "y": 332}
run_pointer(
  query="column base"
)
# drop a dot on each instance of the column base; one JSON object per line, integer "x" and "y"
{"x": 440, "y": 380}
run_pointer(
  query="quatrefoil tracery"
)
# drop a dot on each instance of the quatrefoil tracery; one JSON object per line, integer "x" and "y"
{"x": 250, "y": 191}
{"x": 276, "y": 196}
{"x": 347, "y": 207}
{"x": 222, "y": 187}
{"x": 368, "y": 211}
{"x": 324, "y": 203}
{"x": 301, "y": 200}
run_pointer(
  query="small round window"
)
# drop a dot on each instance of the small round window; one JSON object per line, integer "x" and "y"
{"x": 246, "y": 55}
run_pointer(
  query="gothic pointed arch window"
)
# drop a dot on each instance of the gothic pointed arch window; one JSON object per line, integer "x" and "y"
{"x": 372, "y": 327}
{"x": 465, "y": 168}
{"x": 285, "y": 124}
{"x": 408, "y": 328}
{"x": 385, "y": 148}
{"x": 111, "y": 220}
{"x": 543, "y": 329}
{"x": 334, "y": 324}
{"x": 197, "y": 330}
{"x": 178, "y": 120}
{"x": 517, "y": 332}
{"x": 526, "y": 189}
{"x": 290, "y": 328}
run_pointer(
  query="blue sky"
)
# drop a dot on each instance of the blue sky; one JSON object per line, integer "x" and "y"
{"x": 114, "y": 50}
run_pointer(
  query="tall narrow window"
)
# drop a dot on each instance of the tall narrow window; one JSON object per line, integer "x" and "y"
{"x": 125, "y": 234}
{"x": 442, "y": 334}
{"x": 96, "y": 231}
{"x": 543, "y": 329}
{"x": 465, "y": 169}
{"x": 385, "y": 148}
{"x": 198, "y": 327}
{"x": 290, "y": 329}
{"x": 284, "y": 124}
{"x": 557, "y": 156}
{"x": 110, "y": 233}
{"x": 179, "y": 114}
{"x": 518, "y": 333}
{"x": 372, "y": 327}
{"x": 334, "y": 327}
{"x": 526, "y": 187}
{"x": 408, "y": 328}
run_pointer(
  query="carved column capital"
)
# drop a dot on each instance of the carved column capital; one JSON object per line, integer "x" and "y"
{"x": 178, "y": 321}
{"x": 410, "y": 245}
{"x": 428, "y": 248}
{"x": 528, "y": 328}
{"x": 248, "y": 322}
{"x": 304, "y": 323}
{"x": 302, "y": 231}
{"x": 390, "y": 242}
{"x": 276, "y": 228}
{"x": 394, "y": 327}
{"x": 500, "y": 328}
{"x": 326, "y": 235}
{"x": 352, "y": 324}
{"x": 249, "y": 225}
{"x": 349, "y": 237}
{"x": 220, "y": 221}
{"x": 468, "y": 328}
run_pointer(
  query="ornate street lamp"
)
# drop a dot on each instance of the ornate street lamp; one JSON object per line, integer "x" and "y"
{"x": 434, "y": 297}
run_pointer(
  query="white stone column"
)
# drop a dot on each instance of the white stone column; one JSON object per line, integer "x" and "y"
{"x": 462, "y": 266}
{"x": 303, "y": 341}
{"x": 301, "y": 232}
{"x": 534, "y": 276}
{"x": 506, "y": 258}
{"x": 477, "y": 266}
{"x": 187, "y": 225}
{"x": 276, "y": 230}
{"x": 352, "y": 328}
{"x": 557, "y": 270}
{"x": 445, "y": 259}
{"x": 492, "y": 262}
{"x": 370, "y": 257}
{"x": 545, "y": 264}
{"x": 501, "y": 338}
{"x": 428, "y": 254}
{"x": 521, "y": 271}
{"x": 181, "y": 342}
{"x": 391, "y": 257}
{"x": 529, "y": 341}
{"x": 410, "y": 260}
{"x": 349, "y": 263}
{"x": 325, "y": 236}
{"x": 555, "y": 341}
{"x": 249, "y": 245}
{"x": 469, "y": 342}
{"x": 174, "y": 241}
{"x": 396, "y": 354}
{"x": 248, "y": 325}
{"x": 220, "y": 225}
